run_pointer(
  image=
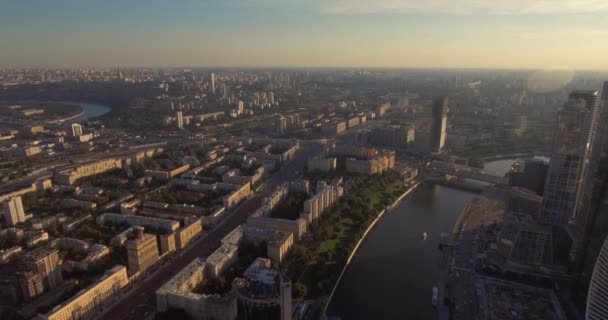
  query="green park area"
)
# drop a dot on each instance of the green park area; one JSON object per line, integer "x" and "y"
{"x": 317, "y": 261}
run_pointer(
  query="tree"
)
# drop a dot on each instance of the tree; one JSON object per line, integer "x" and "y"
{"x": 299, "y": 290}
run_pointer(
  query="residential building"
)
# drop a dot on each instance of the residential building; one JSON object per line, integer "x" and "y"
{"x": 45, "y": 261}
{"x": 142, "y": 252}
{"x": 13, "y": 211}
{"x": 92, "y": 300}
{"x": 178, "y": 293}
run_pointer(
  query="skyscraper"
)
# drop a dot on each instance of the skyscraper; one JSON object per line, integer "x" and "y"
{"x": 597, "y": 296}
{"x": 604, "y": 111}
{"x": 180, "y": 120}
{"x": 213, "y": 83}
{"x": 570, "y": 177}
{"x": 440, "y": 122}
{"x": 13, "y": 211}
{"x": 76, "y": 129}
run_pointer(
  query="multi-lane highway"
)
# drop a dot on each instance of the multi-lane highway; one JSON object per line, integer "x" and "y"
{"x": 139, "y": 302}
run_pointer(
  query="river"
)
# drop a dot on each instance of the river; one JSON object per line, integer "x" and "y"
{"x": 394, "y": 271}
{"x": 90, "y": 110}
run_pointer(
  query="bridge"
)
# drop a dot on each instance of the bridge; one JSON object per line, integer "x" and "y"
{"x": 460, "y": 171}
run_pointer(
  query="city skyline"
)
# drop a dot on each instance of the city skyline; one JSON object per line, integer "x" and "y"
{"x": 336, "y": 33}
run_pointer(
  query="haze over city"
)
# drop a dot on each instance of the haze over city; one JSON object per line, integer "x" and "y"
{"x": 513, "y": 34}
{"x": 304, "y": 160}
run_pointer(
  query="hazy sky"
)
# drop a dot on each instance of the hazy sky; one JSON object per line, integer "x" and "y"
{"x": 367, "y": 33}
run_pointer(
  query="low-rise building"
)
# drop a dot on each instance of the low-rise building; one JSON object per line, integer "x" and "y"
{"x": 135, "y": 220}
{"x": 178, "y": 293}
{"x": 90, "y": 301}
{"x": 184, "y": 235}
{"x": 221, "y": 259}
{"x": 322, "y": 164}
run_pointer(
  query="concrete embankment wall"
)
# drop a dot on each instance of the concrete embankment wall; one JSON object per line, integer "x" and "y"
{"x": 371, "y": 226}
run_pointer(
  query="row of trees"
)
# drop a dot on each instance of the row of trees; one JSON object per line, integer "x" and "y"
{"x": 317, "y": 262}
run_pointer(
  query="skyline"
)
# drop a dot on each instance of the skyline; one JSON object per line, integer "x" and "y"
{"x": 270, "y": 33}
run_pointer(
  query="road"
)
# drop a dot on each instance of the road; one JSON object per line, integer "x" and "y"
{"x": 140, "y": 301}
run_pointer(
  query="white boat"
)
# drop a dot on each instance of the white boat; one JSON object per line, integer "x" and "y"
{"x": 435, "y": 296}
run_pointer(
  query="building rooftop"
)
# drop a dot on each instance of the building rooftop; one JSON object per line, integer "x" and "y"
{"x": 219, "y": 254}
{"x": 234, "y": 237}
{"x": 40, "y": 253}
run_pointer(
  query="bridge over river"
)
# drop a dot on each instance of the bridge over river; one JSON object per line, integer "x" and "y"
{"x": 461, "y": 171}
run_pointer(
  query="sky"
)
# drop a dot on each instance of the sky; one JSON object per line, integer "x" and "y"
{"x": 535, "y": 34}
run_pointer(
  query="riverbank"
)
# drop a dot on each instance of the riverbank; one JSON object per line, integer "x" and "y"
{"x": 362, "y": 239}
{"x": 86, "y": 110}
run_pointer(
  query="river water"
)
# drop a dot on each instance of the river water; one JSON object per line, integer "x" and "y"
{"x": 89, "y": 110}
{"x": 395, "y": 269}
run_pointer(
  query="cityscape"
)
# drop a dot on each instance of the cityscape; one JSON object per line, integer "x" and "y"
{"x": 148, "y": 179}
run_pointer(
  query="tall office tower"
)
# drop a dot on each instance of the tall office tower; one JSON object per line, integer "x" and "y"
{"x": 597, "y": 296}
{"x": 604, "y": 110}
{"x": 180, "y": 120}
{"x": 13, "y": 211}
{"x": 270, "y": 96}
{"x": 440, "y": 122}
{"x": 569, "y": 176}
{"x": 213, "y": 83}
{"x": 531, "y": 175}
{"x": 76, "y": 130}
{"x": 45, "y": 261}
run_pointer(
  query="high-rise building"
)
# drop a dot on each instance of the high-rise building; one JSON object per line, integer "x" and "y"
{"x": 142, "y": 252}
{"x": 213, "y": 83}
{"x": 439, "y": 125}
{"x": 240, "y": 107}
{"x": 180, "y": 120}
{"x": 524, "y": 201}
{"x": 270, "y": 96}
{"x": 531, "y": 175}
{"x": 224, "y": 91}
{"x": 280, "y": 124}
{"x": 13, "y": 211}
{"x": 597, "y": 296}
{"x": 45, "y": 261}
{"x": 76, "y": 130}
{"x": 31, "y": 284}
{"x": 569, "y": 177}
{"x": 604, "y": 110}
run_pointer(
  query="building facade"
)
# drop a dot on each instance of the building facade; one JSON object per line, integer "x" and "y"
{"x": 597, "y": 296}
{"x": 13, "y": 211}
{"x": 439, "y": 125}
{"x": 89, "y": 302}
{"x": 142, "y": 252}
